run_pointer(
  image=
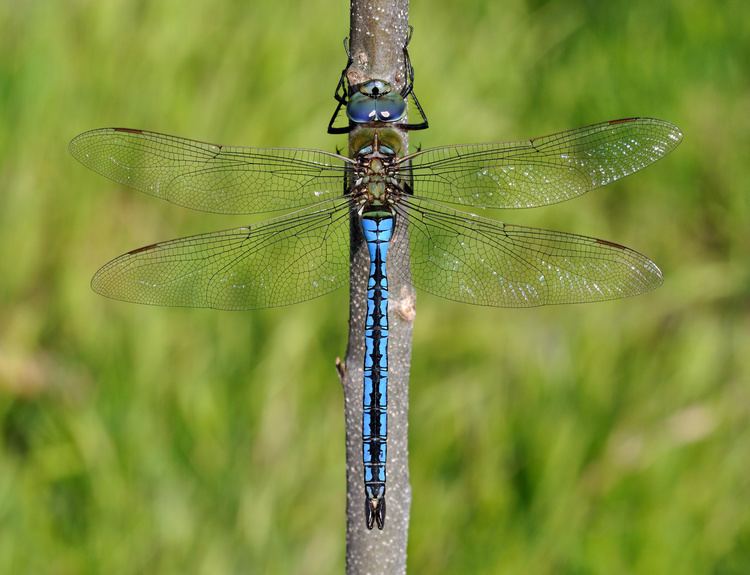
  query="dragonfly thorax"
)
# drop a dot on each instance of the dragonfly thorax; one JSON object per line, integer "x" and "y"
{"x": 376, "y": 173}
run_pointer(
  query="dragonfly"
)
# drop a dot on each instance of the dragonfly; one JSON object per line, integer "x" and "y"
{"x": 389, "y": 193}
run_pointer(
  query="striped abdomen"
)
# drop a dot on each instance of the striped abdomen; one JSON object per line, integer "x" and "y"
{"x": 377, "y": 227}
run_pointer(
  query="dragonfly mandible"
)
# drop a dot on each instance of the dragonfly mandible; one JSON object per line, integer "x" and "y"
{"x": 305, "y": 254}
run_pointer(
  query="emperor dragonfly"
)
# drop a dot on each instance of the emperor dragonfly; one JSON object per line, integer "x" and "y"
{"x": 391, "y": 193}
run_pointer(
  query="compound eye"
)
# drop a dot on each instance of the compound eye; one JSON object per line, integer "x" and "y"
{"x": 391, "y": 108}
{"x": 361, "y": 109}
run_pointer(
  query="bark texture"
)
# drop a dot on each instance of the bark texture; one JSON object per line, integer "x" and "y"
{"x": 379, "y": 29}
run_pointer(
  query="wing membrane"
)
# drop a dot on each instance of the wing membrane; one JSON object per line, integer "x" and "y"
{"x": 279, "y": 262}
{"x": 475, "y": 260}
{"x": 208, "y": 177}
{"x": 543, "y": 170}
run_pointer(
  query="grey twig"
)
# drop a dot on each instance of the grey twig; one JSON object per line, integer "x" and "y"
{"x": 379, "y": 30}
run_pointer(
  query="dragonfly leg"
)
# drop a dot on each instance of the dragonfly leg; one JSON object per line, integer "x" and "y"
{"x": 341, "y": 95}
{"x": 409, "y": 89}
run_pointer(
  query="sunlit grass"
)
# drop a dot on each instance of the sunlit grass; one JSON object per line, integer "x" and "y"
{"x": 607, "y": 438}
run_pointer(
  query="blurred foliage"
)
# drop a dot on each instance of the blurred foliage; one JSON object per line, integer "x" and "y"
{"x": 609, "y": 438}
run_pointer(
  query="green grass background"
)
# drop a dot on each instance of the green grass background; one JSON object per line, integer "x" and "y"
{"x": 609, "y": 438}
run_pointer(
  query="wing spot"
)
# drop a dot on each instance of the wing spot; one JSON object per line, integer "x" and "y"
{"x": 143, "y": 249}
{"x": 622, "y": 121}
{"x": 611, "y": 244}
{"x": 129, "y": 130}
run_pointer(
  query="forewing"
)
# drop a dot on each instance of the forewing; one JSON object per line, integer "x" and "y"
{"x": 208, "y": 177}
{"x": 466, "y": 258}
{"x": 543, "y": 170}
{"x": 283, "y": 261}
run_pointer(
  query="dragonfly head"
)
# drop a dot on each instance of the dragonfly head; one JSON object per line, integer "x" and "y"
{"x": 375, "y": 101}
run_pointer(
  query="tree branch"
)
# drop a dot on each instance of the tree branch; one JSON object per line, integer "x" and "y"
{"x": 379, "y": 29}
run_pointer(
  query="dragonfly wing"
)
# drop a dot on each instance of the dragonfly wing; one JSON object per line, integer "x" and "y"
{"x": 466, "y": 258}
{"x": 543, "y": 170}
{"x": 208, "y": 177}
{"x": 278, "y": 262}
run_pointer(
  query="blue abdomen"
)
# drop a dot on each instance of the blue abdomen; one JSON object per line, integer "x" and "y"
{"x": 377, "y": 228}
